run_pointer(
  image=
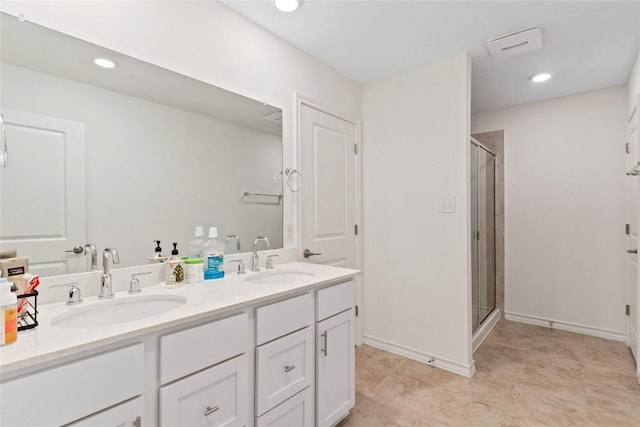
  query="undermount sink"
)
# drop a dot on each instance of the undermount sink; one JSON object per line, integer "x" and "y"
{"x": 118, "y": 311}
{"x": 281, "y": 276}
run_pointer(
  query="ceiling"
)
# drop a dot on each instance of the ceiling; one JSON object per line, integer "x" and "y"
{"x": 588, "y": 45}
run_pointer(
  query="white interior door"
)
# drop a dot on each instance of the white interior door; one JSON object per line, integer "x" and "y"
{"x": 42, "y": 192}
{"x": 633, "y": 210}
{"x": 328, "y": 165}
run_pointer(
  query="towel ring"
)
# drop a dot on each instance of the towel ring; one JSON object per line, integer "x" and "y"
{"x": 288, "y": 173}
{"x": 291, "y": 172}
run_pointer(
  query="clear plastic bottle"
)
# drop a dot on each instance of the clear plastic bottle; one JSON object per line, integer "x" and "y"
{"x": 8, "y": 312}
{"x": 195, "y": 246}
{"x": 214, "y": 252}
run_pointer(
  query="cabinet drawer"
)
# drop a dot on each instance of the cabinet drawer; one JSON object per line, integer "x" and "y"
{"x": 125, "y": 414}
{"x": 69, "y": 392}
{"x": 193, "y": 349}
{"x": 297, "y": 411}
{"x": 281, "y": 318}
{"x": 217, "y": 396}
{"x": 335, "y": 299}
{"x": 283, "y": 368}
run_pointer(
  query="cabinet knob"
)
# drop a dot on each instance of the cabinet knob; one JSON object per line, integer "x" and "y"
{"x": 210, "y": 410}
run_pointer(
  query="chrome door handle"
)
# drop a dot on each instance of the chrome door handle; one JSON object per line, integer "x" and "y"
{"x": 307, "y": 253}
{"x": 632, "y": 251}
{"x": 325, "y": 349}
{"x": 210, "y": 410}
{"x": 77, "y": 250}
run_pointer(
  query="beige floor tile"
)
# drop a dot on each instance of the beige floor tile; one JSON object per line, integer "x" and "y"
{"x": 370, "y": 412}
{"x": 554, "y": 365}
{"x": 572, "y": 393}
{"x": 603, "y": 420}
{"x": 533, "y": 409}
{"x": 509, "y": 338}
{"x": 608, "y": 352}
{"x": 558, "y": 347}
{"x": 426, "y": 373}
{"x": 402, "y": 390}
{"x": 613, "y": 403}
{"x": 476, "y": 413}
{"x": 612, "y": 376}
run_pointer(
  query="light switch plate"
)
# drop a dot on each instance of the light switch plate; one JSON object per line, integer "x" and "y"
{"x": 448, "y": 205}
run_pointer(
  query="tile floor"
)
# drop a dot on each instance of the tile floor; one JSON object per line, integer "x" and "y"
{"x": 526, "y": 376}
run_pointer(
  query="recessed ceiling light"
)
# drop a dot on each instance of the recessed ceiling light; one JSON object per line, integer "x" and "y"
{"x": 287, "y": 5}
{"x": 539, "y": 78}
{"x": 104, "y": 63}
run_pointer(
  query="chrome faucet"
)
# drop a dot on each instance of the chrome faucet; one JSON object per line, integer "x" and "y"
{"x": 228, "y": 239}
{"x": 94, "y": 255}
{"x": 255, "y": 264}
{"x": 106, "y": 290}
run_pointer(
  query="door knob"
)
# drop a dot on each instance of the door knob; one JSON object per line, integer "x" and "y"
{"x": 76, "y": 250}
{"x": 307, "y": 253}
{"x": 632, "y": 251}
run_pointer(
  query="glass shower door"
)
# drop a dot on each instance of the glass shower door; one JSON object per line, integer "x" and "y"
{"x": 483, "y": 250}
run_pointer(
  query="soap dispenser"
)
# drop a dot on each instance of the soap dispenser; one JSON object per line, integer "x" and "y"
{"x": 174, "y": 268}
{"x": 157, "y": 257}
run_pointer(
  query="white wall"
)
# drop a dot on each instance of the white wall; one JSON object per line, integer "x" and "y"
{"x": 209, "y": 42}
{"x": 417, "y": 298}
{"x": 633, "y": 85}
{"x": 565, "y": 210}
{"x": 167, "y": 170}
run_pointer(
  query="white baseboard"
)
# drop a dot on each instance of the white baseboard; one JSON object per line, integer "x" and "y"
{"x": 448, "y": 365}
{"x": 566, "y": 326}
{"x": 485, "y": 328}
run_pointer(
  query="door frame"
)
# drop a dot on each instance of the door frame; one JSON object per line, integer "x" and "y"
{"x": 299, "y": 101}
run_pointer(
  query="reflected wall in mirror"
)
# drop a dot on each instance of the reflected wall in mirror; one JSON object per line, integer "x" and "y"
{"x": 121, "y": 157}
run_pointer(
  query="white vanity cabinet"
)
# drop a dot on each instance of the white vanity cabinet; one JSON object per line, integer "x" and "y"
{"x": 335, "y": 353}
{"x": 284, "y": 363}
{"x": 71, "y": 391}
{"x": 211, "y": 367}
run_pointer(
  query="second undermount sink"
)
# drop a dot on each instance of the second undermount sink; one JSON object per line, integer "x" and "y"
{"x": 118, "y": 311}
{"x": 279, "y": 276}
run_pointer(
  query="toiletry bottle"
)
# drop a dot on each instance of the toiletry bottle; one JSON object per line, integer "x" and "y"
{"x": 157, "y": 257}
{"x": 195, "y": 246}
{"x": 193, "y": 270}
{"x": 174, "y": 268}
{"x": 8, "y": 313}
{"x": 214, "y": 250}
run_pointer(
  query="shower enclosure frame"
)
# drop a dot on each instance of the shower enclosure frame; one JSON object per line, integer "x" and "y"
{"x": 477, "y": 317}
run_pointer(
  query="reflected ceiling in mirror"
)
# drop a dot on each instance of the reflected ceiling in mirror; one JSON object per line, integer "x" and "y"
{"x": 123, "y": 156}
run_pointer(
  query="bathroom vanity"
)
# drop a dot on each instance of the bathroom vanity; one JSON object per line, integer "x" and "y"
{"x": 273, "y": 348}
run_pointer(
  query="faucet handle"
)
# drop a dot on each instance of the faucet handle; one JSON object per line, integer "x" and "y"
{"x": 75, "y": 296}
{"x": 134, "y": 283}
{"x": 241, "y": 267}
{"x": 269, "y": 265}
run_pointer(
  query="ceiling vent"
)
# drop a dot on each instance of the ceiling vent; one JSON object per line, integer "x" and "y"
{"x": 516, "y": 43}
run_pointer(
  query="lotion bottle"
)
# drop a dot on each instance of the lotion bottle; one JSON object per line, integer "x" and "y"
{"x": 174, "y": 268}
{"x": 8, "y": 313}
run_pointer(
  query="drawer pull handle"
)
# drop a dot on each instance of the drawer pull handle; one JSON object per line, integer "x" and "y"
{"x": 325, "y": 350}
{"x": 137, "y": 422}
{"x": 289, "y": 368}
{"x": 211, "y": 410}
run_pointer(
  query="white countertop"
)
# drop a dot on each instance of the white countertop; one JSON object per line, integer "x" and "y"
{"x": 207, "y": 299}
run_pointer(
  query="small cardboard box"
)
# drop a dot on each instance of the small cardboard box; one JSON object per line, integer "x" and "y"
{"x": 14, "y": 269}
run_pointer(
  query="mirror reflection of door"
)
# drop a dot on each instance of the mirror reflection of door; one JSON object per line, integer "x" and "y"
{"x": 43, "y": 207}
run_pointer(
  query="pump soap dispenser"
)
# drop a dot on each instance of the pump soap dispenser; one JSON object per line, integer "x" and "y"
{"x": 157, "y": 257}
{"x": 174, "y": 268}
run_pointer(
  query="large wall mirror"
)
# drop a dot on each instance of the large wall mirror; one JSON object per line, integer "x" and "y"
{"x": 124, "y": 156}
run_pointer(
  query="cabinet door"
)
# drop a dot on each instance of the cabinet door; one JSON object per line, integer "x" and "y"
{"x": 124, "y": 415}
{"x": 295, "y": 412}
{"x": 218, "y": 396}
{"x": 335, "y": 368}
